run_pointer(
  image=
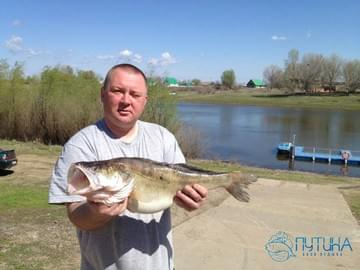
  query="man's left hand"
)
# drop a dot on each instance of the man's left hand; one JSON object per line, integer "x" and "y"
{"x": 191, "y": 196}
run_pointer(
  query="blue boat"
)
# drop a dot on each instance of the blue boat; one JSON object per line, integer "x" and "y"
{"x": 284, "y": 148}
{"x": 340, "y": 156}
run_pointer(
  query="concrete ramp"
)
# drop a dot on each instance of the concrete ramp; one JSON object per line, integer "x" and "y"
{"x": 234, "y": 235}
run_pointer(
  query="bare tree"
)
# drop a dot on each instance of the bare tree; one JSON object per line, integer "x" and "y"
{"x": 310, "y": 70}
{"x": 273, "y": 76}
{"x": 291, "y": 74}
{"x": 351, "y": 72}
{"x": 331, "y": 71}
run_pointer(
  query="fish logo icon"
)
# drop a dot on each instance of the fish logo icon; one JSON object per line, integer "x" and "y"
{"x": 279, "y": 247}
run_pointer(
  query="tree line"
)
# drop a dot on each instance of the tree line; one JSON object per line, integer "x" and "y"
{"x": 53, "y": 105}
{"x": 314, "y": 71}
{"x": 48, "y": 107}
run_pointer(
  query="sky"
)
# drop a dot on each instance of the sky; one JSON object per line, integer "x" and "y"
{"x": 183, "y": 39}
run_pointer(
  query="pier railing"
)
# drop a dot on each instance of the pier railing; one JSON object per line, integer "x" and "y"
{"x": 329, "y": 154}
{"x": 332, "y": 151}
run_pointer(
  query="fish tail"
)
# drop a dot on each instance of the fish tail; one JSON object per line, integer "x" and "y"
{"x": 237, "y": 187}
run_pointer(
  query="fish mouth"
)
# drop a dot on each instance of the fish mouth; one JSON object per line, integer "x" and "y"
{"x": 86, "y": 182}
{"x": 78, "y": 180}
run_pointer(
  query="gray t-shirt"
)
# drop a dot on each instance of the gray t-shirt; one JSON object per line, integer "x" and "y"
{"x": 132, "y": 240}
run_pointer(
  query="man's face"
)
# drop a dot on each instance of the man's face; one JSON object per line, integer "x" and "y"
{"x": 124, "y": 99}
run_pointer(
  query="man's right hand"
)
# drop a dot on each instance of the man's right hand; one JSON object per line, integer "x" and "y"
{"x": 91, "y": 216}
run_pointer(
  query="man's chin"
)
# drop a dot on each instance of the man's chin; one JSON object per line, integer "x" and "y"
{"x": 125, "y": 120}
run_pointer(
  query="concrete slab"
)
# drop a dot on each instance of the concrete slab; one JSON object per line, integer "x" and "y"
{"x": 234, "y": 235}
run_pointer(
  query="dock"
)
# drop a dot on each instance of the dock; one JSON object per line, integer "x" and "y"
{"x": 331, "y": 156}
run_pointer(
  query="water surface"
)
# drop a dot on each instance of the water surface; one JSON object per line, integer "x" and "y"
{"x": 250, "y": 134}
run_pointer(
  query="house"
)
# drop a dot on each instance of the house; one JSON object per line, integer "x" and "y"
{"x": 256, "y": 84}
{"x": 170, "y": 81}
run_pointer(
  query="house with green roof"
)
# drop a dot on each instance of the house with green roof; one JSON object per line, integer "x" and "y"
{"x": 255, "y": 83}
{"x": 171, "y": 81}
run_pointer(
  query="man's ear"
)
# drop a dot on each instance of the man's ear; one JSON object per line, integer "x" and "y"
{"x": 102, "y": 93}
{"x": 146, "y": 99}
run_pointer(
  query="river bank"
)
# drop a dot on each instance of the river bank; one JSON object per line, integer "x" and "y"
{"x": 267, "y": 97}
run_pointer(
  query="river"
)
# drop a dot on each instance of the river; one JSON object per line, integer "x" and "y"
{"x": 250, "y": 134}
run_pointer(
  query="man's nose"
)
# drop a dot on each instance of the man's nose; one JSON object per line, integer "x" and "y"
{"x": 125, "y": 98}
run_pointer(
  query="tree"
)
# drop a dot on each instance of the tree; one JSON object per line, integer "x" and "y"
{"x": 196, "y": 82}
{"x": 228, "y": 78}
{"x": 4, "y": 69}
{"x": 291, "y": 74}
{"x": 273, "y": 76}
{"x": 351, "y": 72}
{"x": 331, "y": 71}
{"x": 310, "y": 70}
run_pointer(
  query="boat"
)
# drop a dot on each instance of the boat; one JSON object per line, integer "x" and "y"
{"x": 284, "y": 148}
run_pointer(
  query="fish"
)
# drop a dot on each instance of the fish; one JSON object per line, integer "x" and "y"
{"x": 150, "y": 186}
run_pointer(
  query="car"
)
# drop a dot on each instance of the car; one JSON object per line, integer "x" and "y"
{"x": 7, "y": 159}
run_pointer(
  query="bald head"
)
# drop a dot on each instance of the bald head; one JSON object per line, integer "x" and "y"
{"x": 126, "y": 67}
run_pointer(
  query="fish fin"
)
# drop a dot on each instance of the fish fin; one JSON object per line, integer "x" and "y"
{"x": 238, "y": 185}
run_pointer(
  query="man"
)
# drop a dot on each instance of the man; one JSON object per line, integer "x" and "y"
{"x": 113, "y": 237}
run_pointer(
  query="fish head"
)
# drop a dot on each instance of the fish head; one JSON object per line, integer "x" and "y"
{"x": 88, "y": 177}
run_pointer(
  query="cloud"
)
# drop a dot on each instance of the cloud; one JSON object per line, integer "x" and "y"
{"x": 165, "y": 60}
{"x": 137, "y": 58}
{"x": 276, "y": 38}
{"x": 126, "y": 53}
{"x": 14, "y": 44}
{"x": 32, "y": 52}
{"x": 106, "y": 57}
{"x": 153, "y": 62}
{"x": 16, "y": 22}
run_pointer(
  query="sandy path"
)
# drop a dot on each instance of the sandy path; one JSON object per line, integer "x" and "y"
{"x": 233, "y": 235}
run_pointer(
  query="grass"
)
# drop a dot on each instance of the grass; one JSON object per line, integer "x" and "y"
{"x": 274, "y": 98}
{"x": 35, "y": 235}
{"x": 34, "y": 147}
{"x": 22, "y": 197}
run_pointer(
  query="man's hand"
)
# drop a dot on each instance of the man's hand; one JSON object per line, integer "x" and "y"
{"x": 191, "y": 197}
{"x": 91, "y": 216}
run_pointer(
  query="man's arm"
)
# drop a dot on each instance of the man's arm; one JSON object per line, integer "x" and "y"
{"x": 91, "y": 216}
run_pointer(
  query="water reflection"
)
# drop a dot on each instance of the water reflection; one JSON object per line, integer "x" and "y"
{"x": 250, "y": 134}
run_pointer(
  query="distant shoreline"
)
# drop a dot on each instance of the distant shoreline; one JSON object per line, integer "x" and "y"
{"x": 266, "y": 97}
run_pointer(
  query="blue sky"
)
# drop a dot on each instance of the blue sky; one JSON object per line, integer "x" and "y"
{"x": 184, "y": 39}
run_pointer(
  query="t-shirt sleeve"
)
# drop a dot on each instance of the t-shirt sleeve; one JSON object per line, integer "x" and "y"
{"x": 58, "y": 186}
{"x": 172, "y": 151}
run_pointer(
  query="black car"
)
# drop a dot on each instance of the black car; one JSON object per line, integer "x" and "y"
{"x": 7, "y": 159}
